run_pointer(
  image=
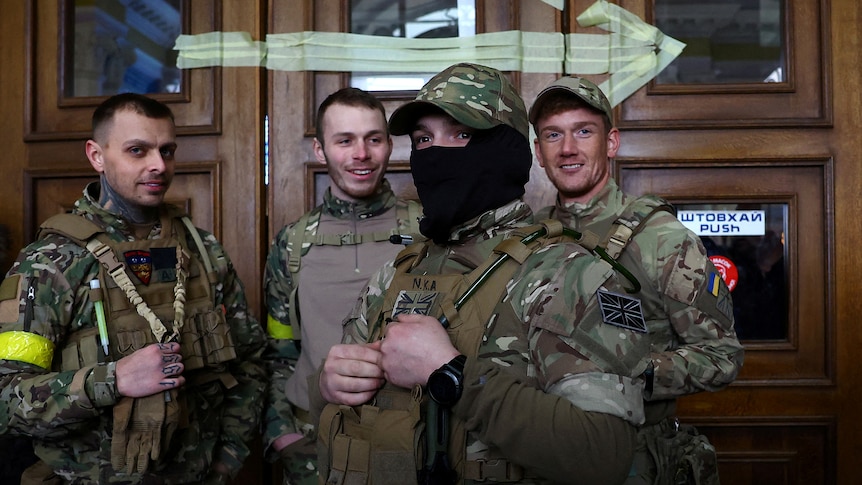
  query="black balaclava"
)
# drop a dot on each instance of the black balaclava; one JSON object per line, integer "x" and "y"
{"x": 456, "y": 184}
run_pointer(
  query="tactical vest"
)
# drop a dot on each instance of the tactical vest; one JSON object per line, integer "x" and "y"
{"x": 303, "y": 235}
{"x": 616, "y": 237}
{"x": 205, "y": 338}
{"x": 384, "y": 441}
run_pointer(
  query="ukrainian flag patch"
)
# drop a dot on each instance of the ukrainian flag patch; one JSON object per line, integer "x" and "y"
{"x": 714, "y": 283}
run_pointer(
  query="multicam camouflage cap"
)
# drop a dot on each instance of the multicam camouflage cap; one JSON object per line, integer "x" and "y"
{"x": 477, "y": 96}
{"x": 584, "y": 89}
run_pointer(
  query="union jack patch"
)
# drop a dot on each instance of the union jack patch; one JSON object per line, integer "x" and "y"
{"x": 141, "y": 264}
{"x": 414, "y": 302}
{"x": 621, "y": 311}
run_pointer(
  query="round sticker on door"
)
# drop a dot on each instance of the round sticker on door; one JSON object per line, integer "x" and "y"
{"x": 727, "y": 269}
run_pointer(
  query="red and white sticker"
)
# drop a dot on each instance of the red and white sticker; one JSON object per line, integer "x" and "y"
{"x": 727, "y": 269}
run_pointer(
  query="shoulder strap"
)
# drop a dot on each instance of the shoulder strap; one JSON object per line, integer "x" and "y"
{"x": 631, "y": 221}
{"x": 302, "y": 233}
{"x": 409, "y": 213}
{"x": 204, "y": 254}
{"x": 73, "y": 226}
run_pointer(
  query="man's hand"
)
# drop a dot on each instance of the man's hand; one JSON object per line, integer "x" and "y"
{"x": 351, "y": 373}
{"x": 414, "y": 347}
{"x": 152, "y": 369}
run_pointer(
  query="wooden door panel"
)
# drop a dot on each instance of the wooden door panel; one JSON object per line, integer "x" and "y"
{"x": 804, "y": 99}
{"x": 51, "y": 115}
{"x": 806, "y": 358}
{"x": 773, "y": 451}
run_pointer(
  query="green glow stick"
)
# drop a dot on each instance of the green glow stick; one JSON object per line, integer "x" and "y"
{"x": 100, "y": 317}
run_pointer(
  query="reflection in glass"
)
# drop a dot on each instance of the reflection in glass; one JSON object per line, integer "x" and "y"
{"x": 421, "y": 19}
{"x": 750, "y": 252}
{"x": 727, "y": 41}
{"x": 123, "y": 46}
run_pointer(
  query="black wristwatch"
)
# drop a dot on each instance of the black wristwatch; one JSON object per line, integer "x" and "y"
{"x": 445, "y": 384}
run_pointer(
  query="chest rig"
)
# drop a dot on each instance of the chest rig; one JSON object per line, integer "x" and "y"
{"x": 152, "y": 290}
{"x": 386, "y": 440}
{"x": 303, "y": 235}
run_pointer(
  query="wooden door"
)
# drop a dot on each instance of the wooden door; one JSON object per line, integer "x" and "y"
{"x": 790, "y": 416}
{"x": 219, "y": 173}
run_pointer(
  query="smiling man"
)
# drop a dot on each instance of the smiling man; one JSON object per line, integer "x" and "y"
{"x": 127, "y": 352}
{"x": 318, "y": 264}
{"x": 686, "y": 306}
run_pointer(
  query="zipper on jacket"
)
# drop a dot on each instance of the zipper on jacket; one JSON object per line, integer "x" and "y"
{"x": 28, "y": 305}
{"x": 355, "y": 233}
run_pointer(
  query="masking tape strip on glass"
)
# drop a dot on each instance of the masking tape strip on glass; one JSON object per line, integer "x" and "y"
{"x": 234, "y": 49}
{"x": 633, "y": 53}
{"x": 636, "y": 51}
{"x": 557, "y": 4}
{"x": 333, "y": 51}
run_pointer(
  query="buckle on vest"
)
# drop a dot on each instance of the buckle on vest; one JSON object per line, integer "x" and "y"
{"x": 498, "y": 470}
{"x": 348, "y": 239}
{"x": 618, "y": 240}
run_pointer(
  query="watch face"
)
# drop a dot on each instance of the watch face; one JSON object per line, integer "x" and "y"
{"x": 443, "y": 387}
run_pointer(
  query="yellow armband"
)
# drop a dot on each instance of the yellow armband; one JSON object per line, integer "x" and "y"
{"x": 278, "y": 330}
{"x": 27, "y": 347}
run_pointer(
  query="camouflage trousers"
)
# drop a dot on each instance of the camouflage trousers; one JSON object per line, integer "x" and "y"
{"x": 299, "y": 459}
{"x": 669, "y": 453}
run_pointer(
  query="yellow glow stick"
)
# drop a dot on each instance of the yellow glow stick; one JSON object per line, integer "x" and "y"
{"x": 100, "y": 317}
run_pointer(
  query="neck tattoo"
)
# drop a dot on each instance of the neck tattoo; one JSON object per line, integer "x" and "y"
{"x": 111, "y": 201}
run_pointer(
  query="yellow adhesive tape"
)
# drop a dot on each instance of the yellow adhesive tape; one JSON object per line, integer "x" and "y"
{"x": 27, "y": 347}
{"x": 219, "y": 49}
{"x": 338, "y": 51}
{"x": 633, "y": 52}
{"x": 557, "y": 4}
{"x": 636, "y": 51}
{"x": 278, "y": 330}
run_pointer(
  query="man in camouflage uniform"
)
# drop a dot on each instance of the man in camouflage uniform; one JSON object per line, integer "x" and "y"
{"x": 172, "y": 390}
{"x": 333, "y": 250}
{"x": 536, "y": 385}
{"x": 687, "y": 306}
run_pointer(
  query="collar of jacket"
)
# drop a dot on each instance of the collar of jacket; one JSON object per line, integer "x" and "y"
{"x": 375, "y": 205}
{"x": 490, "y": 223}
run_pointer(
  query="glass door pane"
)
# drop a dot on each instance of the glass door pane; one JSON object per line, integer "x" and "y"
{"x": 419, "y": 19}
{"x": 727, "y": 41}
{"x": 115, "y": 46}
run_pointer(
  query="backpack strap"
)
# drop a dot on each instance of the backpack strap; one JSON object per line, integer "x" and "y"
{"x": 631, "y": 221}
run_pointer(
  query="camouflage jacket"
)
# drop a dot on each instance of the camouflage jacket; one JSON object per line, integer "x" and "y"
{"x": 331, "y": 276}
{"x": 550, "y": 374}
{"x": 694, "y": 345}
{"x": 71, "y": 428}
